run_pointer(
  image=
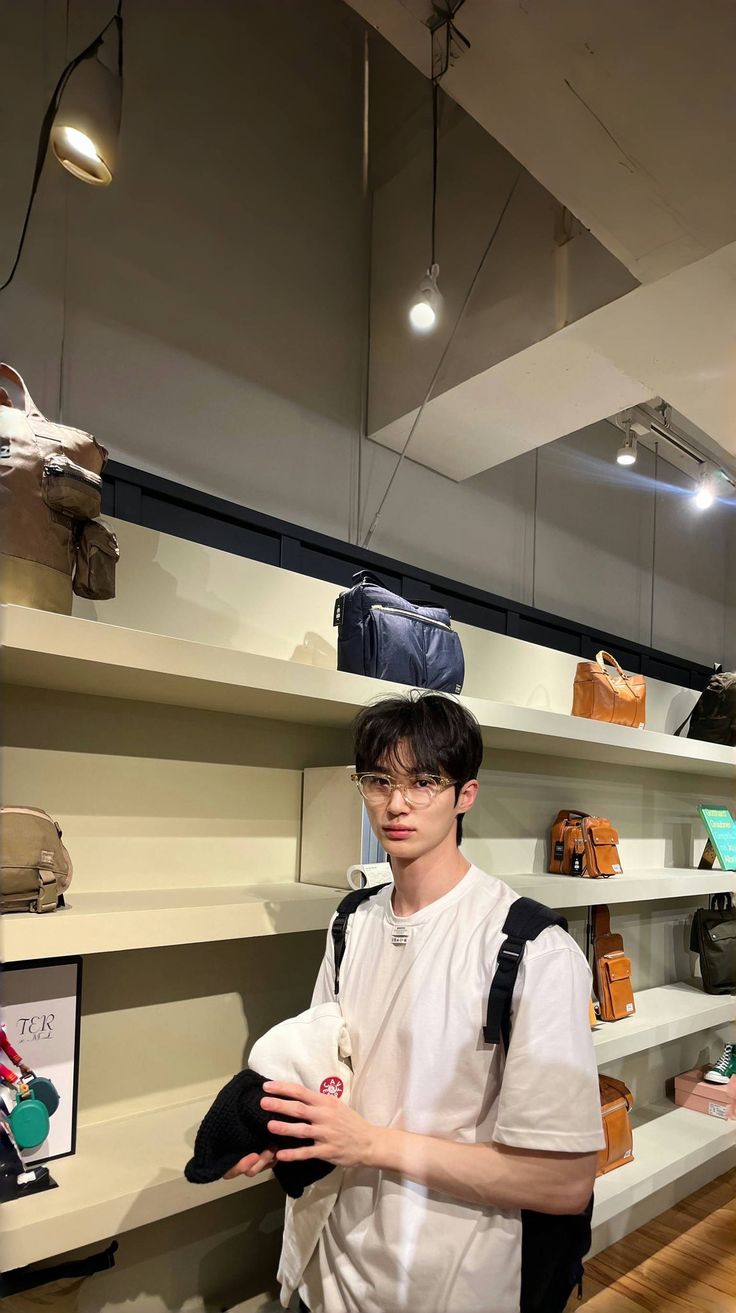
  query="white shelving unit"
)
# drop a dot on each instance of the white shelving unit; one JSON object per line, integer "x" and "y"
{"x": 127, "y": 1171}
{"x": 663, "y": 1014}
{"x": 101, "y": 922}
{"x": 71, "y": 655}
{"x": 668, "y": 1144}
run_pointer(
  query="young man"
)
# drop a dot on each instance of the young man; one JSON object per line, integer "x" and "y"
{"x": 445, "y": 1139}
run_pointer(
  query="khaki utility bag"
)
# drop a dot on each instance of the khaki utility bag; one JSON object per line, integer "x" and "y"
{"x": 583, "y": 845}
{"x": 50, "y": 497}
{"x": 618, "y": 698}
{"x": 35, "y": 867}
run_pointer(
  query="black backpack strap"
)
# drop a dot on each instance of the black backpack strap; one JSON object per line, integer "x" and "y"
{"x": 688, "y": 717}
{"x": 525, "y": 921}
{"x": 339, "y": 925}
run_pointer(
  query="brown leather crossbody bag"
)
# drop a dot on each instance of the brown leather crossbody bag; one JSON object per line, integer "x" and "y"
{"x": 617, "y": 698}
{"x": 611, "y": 969}
{"x": 616, "y": 1104}
{"x": 583, "y": 845}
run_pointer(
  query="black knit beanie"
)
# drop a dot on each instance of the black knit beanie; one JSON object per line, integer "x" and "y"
{"x": 236, "y": 1125}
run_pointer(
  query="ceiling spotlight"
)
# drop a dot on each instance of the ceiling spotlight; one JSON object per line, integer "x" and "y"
{"x": 705, "y": 493}
{"x": 84, "y": 135}
{"x": 626, "y": 454}
{"x": 426, "y": 302}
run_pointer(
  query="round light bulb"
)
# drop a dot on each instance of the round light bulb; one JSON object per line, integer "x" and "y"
{"x": 704, "y": 499}
{"x": 626, "y": 456}
{"x": 422, "y": 316}
{"x": 426, "y": 302}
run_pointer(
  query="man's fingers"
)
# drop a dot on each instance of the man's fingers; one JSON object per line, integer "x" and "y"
{"x": 252, "y": 1164}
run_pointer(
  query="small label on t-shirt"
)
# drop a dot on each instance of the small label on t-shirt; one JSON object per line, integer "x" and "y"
{"x": 718, "y": 1110}
{"x": 629, "y": 1007}
{"x": 400, "y": 938}
{"x": 616, "y": 869}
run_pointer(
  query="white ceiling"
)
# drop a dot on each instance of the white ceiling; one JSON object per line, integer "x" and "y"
{"x": 626, "y": 112}
{"x": 675, "y": 338}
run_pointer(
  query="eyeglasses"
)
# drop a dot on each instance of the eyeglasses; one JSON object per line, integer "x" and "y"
{"x": 420, "y": 791}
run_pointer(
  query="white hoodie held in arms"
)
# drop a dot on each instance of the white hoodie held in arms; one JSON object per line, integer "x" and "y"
{"x": 312, "y": 1049}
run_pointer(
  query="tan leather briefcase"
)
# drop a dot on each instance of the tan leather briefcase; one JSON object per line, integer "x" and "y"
{"x": 611, "y": 969}
{"x": 616, "y": 1103}
{"x": 50, "y": 489}
{"x": 617, "y": 698}
{"x": 583, "y": 845}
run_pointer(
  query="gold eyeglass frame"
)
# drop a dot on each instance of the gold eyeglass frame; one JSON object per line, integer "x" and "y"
{"x": 443, "y": 781}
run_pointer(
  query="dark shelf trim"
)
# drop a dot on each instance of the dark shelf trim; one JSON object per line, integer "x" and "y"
{"x": 157, "y": 503}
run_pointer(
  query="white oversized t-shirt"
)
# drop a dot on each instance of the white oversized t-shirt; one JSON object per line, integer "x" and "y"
{"x": 415, "y": 1014}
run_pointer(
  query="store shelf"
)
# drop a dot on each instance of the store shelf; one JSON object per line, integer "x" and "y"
{"x": 669, "y": 1142}
{"x": 662, "y": 1014}
{"x": 83, "y": 656}
{"x": 125, "y": 1173}
{"x": 631, "y": 887}
{"x": 99, "y": 922}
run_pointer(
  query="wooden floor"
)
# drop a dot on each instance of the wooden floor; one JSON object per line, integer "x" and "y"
{"x": 682, "y": 1262}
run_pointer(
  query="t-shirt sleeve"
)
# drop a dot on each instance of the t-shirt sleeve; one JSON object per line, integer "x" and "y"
{"x": 324, "y": 986}
{"x": 549, "y": 1090}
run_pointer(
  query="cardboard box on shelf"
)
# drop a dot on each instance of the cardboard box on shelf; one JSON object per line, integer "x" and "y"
{"x": 693, "y": 1091}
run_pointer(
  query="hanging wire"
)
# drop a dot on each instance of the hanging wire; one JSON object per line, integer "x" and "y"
{"x": 442, "y": 358}
{"x": 48, "y": 119}
{"x": 435, "y": 145}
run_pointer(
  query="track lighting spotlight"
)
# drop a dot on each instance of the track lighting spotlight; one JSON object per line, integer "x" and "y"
{"x": 626, "y": 454}
{"x": 426, "y": 303}
{"x": 705, "y": 490}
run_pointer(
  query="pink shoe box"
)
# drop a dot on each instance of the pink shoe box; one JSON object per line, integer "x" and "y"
{"x": 691, "y": 1091}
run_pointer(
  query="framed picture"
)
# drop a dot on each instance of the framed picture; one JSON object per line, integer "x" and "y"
{"x": 40, "y": 1014}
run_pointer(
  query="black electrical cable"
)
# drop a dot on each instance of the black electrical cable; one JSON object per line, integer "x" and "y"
{"x": 441, "y": 361}
{"x": 435, "y": 143}
{"x": 49, "y": 116}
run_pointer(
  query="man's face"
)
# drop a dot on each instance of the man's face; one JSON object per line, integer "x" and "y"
{"x": 409, "y": 831}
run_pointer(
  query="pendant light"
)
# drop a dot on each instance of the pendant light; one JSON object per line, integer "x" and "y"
{"x": 82, "y": 121}
{"x": 84, "y": 135}
{"x": 426, "y": 304}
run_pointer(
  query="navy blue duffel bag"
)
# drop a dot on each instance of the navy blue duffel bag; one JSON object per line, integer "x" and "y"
{"x": 382, "y": 635}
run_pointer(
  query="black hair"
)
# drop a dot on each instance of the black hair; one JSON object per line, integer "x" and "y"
{"x": 436, "y": 733}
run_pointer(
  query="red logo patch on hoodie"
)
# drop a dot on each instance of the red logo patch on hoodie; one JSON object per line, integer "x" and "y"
{"x": 332, "y": 1085}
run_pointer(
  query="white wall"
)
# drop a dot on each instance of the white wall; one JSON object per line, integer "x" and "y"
{"x": 204, "y": 317}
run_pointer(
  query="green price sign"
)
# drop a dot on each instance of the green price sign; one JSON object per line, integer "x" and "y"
{"x": 721, "y": 828}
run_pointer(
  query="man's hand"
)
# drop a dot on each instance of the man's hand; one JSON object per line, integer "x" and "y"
{"x": 25, "y": 1070}
{"x": 341, "y": 1136}
{"x": 252, "y": 1164}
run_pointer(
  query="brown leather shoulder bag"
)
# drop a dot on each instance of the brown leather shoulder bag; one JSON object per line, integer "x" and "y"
{"x": 616, "y": 1104}
{"x": 583, "y": 845}
{"x": 617, "y": 698}
{"x": 611, "y": 969}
